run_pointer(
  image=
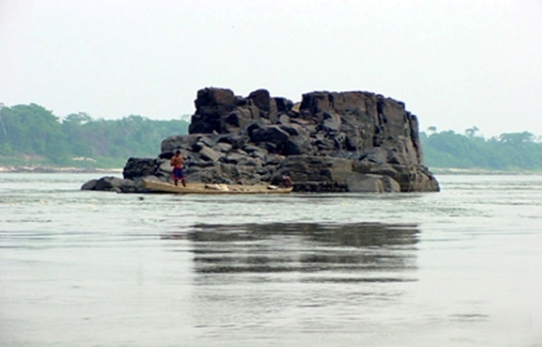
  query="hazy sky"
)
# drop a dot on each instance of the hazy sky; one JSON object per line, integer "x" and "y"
{"x": 456, "y": 64}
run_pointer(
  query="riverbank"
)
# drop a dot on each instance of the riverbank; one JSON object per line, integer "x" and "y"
{"x": 56, "y": 169}
{"x": 458, "y": 171}
{"x": 72, "y": 169}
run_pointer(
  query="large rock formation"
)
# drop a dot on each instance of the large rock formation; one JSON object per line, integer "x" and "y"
{"x": 330, "y": 142}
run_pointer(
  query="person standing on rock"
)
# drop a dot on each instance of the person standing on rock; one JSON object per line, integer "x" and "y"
{"x": 177, "y": 162}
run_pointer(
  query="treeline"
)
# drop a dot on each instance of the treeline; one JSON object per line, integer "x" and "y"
{"x": 31, "y": 134}
{"x": 507, "y": 152}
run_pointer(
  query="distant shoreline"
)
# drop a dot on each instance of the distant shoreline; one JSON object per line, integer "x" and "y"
{"x": 457, "y": 171}
{"x": 55, "y": 169}
{"x": 58, "y": 169}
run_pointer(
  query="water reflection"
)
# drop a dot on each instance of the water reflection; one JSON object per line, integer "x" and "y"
{"x": 324, "y": 252}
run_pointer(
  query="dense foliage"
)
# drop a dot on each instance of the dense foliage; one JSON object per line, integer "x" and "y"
{"x": 30, "y": 134}
{"x": 508, "y": 152}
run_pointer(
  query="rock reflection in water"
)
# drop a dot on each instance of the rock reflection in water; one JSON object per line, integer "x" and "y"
{"x": 335, "y": 252}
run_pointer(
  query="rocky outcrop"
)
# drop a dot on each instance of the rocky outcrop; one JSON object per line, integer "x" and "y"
{"x": 112, "y": 184}
{"x": 329, "y": 142}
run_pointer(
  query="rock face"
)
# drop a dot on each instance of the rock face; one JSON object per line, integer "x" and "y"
{"x": 111, "y": 184}
{"x": 330, "y": 142}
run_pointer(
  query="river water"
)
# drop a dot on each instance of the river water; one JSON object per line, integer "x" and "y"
{"x": 462, "y": 267}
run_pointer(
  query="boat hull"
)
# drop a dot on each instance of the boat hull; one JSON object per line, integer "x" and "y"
{"x": 203, "y": 188}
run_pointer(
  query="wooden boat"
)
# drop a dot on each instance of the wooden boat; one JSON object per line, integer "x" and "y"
{"x": 206, "y": 188}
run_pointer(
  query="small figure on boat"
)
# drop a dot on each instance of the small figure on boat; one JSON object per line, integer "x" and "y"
{"x": 177, "y": 162}
{"x": 286, "y": 182}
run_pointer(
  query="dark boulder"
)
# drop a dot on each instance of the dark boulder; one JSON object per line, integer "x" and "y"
{"x": 369, "y": 183}
{"x": 270, "y": 134}
{"x": 166, "y": 155}
{"x": 208, "y": 153}
{"x": 172, "y": 143}
{"x": 90, "y": 185}
{"x": 284, "y": 105}
{"x": 237, "y": 120}
{"x": 112, "y": 184}
{"x": 212, "y": 104}
{"x": 139, "y": 167}
{"x": 296, "y": 145}
{"x": 265, "y": 103}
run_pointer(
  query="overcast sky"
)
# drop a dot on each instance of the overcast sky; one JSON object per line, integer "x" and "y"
{"x": 456, "y": 64}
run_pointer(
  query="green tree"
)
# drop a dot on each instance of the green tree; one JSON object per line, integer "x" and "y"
{"x": 517, "y": 137}
{"x": 509, "y": 151}
{"x": 33, "y": 130}
{"x": 471, "y": 132}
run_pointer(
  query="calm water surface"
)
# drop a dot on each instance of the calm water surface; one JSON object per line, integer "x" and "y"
{"x": 458, "y": 268}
